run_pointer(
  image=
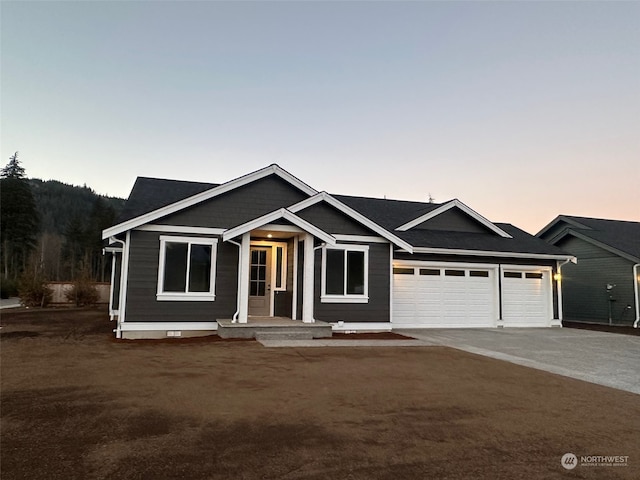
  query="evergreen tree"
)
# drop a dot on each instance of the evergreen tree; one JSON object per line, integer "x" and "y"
{"x": 13, "y": 168}
{"x": 18, "y": 219}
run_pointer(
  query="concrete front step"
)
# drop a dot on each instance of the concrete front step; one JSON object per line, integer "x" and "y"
{"x": 274, "y": 330}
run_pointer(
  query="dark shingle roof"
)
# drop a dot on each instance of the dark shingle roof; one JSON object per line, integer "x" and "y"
{"x": 521, "y": 242}
{"x": 389, "y": 214}
{"x": 149, "y": 194}
{"x": 619, "y": 234}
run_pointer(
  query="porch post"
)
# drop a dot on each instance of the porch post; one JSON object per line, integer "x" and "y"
{"x": 243, "y": 287}
{"x": 307, "y": 280}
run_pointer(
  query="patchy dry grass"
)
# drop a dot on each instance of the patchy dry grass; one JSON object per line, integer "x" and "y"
{"x": 77, "y": 404}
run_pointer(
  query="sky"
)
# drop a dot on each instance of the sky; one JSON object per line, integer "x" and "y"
{"x": 522, "y": 110}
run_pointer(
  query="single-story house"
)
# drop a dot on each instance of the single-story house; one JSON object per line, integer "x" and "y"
{"x": 188, "y": 254}
{"x": 603, "y": 286}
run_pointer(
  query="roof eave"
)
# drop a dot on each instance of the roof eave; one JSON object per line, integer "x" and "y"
{"x": 447, "y": 206}
{"x": 206, "y": 195}
{"x": 490, "y": 253}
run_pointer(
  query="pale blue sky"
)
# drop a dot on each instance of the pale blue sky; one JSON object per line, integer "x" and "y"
{"x": 521, "y": 110}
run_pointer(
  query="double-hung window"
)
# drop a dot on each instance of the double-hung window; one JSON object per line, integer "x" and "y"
{"x": 187, "y": 268}
{"x": 345, "y": 272}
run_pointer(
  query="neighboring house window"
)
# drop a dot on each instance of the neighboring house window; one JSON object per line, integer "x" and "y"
{"x": 345, "y": 272}
{"x": 187, "y": 268}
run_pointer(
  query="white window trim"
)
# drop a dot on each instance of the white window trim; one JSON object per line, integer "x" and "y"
{"x": 209, "y": 296}
{"x": 346, "y": 297}
{"x": 274, "y": 246}
{"x": 274, "y": 267}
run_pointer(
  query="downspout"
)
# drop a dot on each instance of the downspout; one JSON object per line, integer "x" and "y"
{"x": 559, "y": 287}
{"x": 636, "y": 278}
{"x": 234, "y": 319}
{"x": 117, "y": 330}
{"x": 322, "y": 245}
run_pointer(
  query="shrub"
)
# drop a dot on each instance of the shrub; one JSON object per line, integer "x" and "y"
{"x": 34, "y": 291}
{"x": 83, "y": 293}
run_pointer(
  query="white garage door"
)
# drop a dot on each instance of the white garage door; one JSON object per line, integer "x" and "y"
{"x": 451, "y": 296}
{"x": 526, "y": 297}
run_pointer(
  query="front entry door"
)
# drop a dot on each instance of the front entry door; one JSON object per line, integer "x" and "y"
{"x": 260, "y": 282}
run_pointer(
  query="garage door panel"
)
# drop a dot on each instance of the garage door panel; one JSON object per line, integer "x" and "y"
{"x": 445, "y": 297}
{"x": 526, "y": 299}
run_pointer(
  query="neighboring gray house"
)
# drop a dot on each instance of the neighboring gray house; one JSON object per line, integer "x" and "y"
{"x": 603, "y": 286}
{"x": 266, "y": 244}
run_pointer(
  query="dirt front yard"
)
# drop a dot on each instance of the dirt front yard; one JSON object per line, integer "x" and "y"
{"x": 77, "y": 404}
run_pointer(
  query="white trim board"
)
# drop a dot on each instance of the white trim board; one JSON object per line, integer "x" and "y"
{"x": 350, "y": 212}
{"x": 151, "y": 227}
{"x": 161, "y": 326}
{"x": 486, "y": 253}
{"x": 275, "y": 215}
{"x": 359, "y": 238}
{"x": 206, "y": 195}
{"x": 447, "y": 206}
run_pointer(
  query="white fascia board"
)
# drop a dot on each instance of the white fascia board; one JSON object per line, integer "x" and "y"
{"x": 447, "y": 206}
{"x": 180, "y": 229}
{"x": 206, "y": 195}
{"x": 350, "y": 212}
{"x": 275, "y": 215}
{"x": 360, "y": 238}
{"x": 485, "y": 253}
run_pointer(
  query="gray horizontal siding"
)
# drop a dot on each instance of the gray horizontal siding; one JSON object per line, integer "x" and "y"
{"x": 453, "y": 220}
{"x": 377, "y": 310}
{"x": 584, "y": 285}
{"x": 239, "y": 206}
{"x": 115, "y": 295}
{"x": 142, "y": 305}
{"x": 331, "y": 220}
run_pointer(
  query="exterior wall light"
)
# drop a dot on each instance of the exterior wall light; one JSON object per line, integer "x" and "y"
{"x": 557, "y": 277}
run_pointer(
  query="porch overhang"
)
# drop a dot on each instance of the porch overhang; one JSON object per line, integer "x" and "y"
{"x": 282, "y": 213}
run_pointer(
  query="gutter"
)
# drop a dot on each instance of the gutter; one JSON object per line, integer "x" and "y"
{"x": 636, "y": 279}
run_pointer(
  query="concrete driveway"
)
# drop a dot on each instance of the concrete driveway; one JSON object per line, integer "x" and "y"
{"x": 607, "y": 359}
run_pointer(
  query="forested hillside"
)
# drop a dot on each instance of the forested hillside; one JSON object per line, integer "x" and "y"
{"x": 71, "y": 220}
{"x": 59, "y": 204}
{"x": 51, "y": 231}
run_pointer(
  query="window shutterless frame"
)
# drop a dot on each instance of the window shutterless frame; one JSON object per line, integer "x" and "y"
{"x": 192, "y": 246}
{"x": 337, "y": 284}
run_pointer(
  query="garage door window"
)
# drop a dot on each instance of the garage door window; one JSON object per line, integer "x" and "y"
{"x": 403, "y": 271}
{"x": 512, "y": 274}
{"x": 479, "y": 273}
{"x": 533, "y": 275}
{"x": 454, "y": 273}
{"x": 430, "y": 271}
{"x": 345, "y": 274}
